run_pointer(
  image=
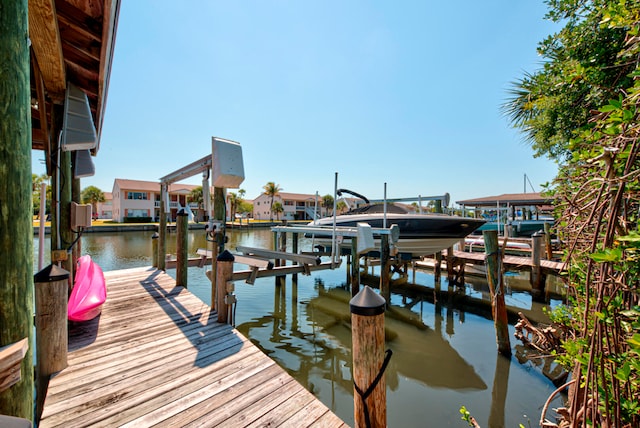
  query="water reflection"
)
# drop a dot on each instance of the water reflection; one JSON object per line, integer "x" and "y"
{"x": 444, "y": 350}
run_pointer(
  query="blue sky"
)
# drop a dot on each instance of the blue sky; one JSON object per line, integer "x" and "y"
{"x": 406, "y": 93}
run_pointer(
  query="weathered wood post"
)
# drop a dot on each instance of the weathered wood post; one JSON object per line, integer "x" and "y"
{"x": 437, "y": 267}
{"x": 385, "y": 268}
{"x": 450, "y": 270}
{"x": 537, "y": 278}
{"x": 355, "y": 268}
{"x": 547, "y": 241}
{"x": 51, "y": 294}
{"x": 224, "y": 285}
{"x": 494, "y": 278}
{"x": 162, "y": 229}
{"x": 294, "y": 250}
{"x": 154, "y": 249}
{"x": 369, "y": 361}
{"x": 182, "y": 262}
{"x": 16, "y": 224}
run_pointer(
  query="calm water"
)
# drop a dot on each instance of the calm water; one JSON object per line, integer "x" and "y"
{"x": 443, "y": 357}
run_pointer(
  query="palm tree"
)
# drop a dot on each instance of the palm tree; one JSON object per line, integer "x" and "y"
{"x": 341, "y": 206}
{"x": 234, "y": 202}
{"x": 92, "y": 195}
{"x": 278, "y": 209}
{"x": 327, "y": 202}
{"x": 196, "y": 196}
{"x": 271, "y": 189}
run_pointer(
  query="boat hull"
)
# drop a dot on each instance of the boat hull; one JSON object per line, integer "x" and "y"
{"x": 89, "y": 291}
{"x": 420, "y": 234}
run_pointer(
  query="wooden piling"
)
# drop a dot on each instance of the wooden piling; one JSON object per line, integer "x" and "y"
{"x": 16, "y": 222}
{"x": 369, "y": 362}
{"x": 496, "y": 285}
{"x": 547, "y": 241}
{"x": 385, "y": 268}
{"x": 437, "y": 267}
{"x": 154, "y": 249}
{"x": 355, "y": 267}
{"x": 182, "y": 254}
{"x": 294, "y": 250}
{"x": 224, "y": 274}
{"x": 537, "y": 278}
{"x": 51, "y": 294}
{"x": 162, "y": 232}
{"x": 450, "y": 270}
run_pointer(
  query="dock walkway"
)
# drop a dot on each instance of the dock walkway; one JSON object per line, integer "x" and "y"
{"x": 157, "y": 356}
{"x": 509, "y": 262}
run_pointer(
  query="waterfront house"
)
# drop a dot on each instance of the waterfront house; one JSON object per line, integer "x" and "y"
{"x": 296, "y": 206}
{"x": 104, "y": 210}
{"x": 136, "y": 198}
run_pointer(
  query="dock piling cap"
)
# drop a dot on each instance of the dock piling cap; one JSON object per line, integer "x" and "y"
{"x": 225, "y": 256}
{"x": 51, "y": 273}
{"x": 367, "y": 302}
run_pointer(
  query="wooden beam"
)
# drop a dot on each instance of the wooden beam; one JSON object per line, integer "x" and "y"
{"x": 269, "y": 254}
{"x": 10, "y": 360}
{"x": 47, "y": 45}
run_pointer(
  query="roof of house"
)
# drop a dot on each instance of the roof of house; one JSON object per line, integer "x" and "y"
{"x": 151, "y": 186}
{"x": 514, "y": 199}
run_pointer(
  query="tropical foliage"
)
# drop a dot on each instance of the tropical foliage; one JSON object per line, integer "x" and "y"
{"x": 327, "y": 203}
{"x": 37, "y": 181}
{"x": 581, "y": 72}
{"x": 582, "y": 109}
{"x": 278, "y": 209}
{"x": 92, "y": 195}
{"x": 235, "y": 202}
{"x": 272, "y": 190}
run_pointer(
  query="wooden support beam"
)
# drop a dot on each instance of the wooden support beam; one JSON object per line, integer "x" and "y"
{"x": 275, "y": 255}
{"x": 243, "y": 275}
{"x": 10, "y": 362}
{"x": 47, "y": 45}
{"x": 245, "y": 260}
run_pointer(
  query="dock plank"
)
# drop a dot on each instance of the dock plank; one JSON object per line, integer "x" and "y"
{"x": 156, "y": 356}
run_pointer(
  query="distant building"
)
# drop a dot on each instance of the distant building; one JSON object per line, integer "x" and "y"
{"x": 296, "y": 206}
{"x": 105, "y": 209}
{"x": 133, "y": 198}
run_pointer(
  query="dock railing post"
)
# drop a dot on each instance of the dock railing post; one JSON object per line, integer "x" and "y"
{"x": 154, "y": 249}
{"x": 496, "y": 285}
{"x": 547, "y": 241}
{"x": 537, "y": 278}
{"x": 162, "y": 235}
{"x": 51, "y": 294}
{"x": 224, "y": 285}
{"x": 385, "y": 267}
{"x": 369, "y": 360}
{"x": 450, "y": 264}
{"x": 355, "y": 267}
{"x": 182, "y": 223}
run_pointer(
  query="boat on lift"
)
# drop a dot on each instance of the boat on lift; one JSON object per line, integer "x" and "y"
{"x": 421, "y": 234}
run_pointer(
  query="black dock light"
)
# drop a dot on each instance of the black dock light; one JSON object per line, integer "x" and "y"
{"x": 369, "y": 359}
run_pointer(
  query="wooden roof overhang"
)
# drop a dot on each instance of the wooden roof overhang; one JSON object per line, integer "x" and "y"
{"x": 512, "y": 199}
{"x": 71, "y": 41}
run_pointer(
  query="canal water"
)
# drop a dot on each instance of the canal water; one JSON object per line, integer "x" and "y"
{"x": 444, "y": 357}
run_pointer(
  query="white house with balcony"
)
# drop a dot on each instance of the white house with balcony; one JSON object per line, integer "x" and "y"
{"x": 135, "y": 198}
{"x": 296, "y": 206}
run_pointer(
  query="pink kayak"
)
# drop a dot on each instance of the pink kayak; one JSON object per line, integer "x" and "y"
{"x": 89, "y": 291}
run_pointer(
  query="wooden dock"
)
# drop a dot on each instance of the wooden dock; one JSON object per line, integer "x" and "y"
{"x": 509, "y": 262}
{"x": 157, "y": 356}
